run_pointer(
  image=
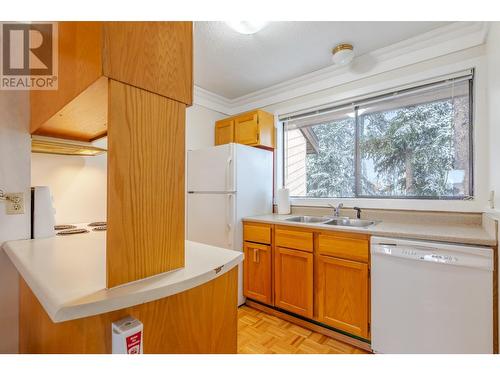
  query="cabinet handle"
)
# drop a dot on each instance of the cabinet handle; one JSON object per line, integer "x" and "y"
{"x": 256, "y": 255}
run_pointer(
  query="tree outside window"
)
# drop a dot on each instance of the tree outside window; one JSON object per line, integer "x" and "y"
{"x": 413, "y": 145}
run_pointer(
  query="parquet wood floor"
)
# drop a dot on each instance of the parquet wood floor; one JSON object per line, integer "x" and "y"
{"x": 260, "y": 333}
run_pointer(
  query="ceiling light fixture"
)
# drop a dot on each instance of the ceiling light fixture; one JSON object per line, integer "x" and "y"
{"x": 247, "y": 27}
{"x": 342, "y": 54}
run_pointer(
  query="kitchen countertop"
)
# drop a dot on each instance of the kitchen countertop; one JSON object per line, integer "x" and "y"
{"x": 68, "y": 274}
{"x": 457, "y": 233}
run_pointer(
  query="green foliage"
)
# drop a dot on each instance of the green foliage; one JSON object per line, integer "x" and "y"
{"x": 404, "y": 152}
{"x": 330, "y": 172}
{"x": 411, "y": 149}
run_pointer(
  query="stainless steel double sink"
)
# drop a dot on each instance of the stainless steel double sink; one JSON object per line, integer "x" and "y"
{"x": 335, "y": 221}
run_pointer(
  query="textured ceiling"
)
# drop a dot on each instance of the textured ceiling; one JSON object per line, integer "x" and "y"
{"x": 232, "y": 64}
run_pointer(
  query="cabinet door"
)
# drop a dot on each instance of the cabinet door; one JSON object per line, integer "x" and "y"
{"x": 293, "y": 281}
{"x": 257, "y": 272}
{"x": 224, "y": 132}
{"x": 246, "y": 129}
{"x": 342, "y": 294}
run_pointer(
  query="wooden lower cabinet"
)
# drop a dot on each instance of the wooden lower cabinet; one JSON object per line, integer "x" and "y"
{"x": 342, "y": 294}
{"x": 293, "y": 281}
{"x": 319, "y": 275}
{"x": 257, "y": 272}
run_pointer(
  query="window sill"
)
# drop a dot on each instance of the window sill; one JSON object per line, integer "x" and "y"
{"x": 394, "y": 204}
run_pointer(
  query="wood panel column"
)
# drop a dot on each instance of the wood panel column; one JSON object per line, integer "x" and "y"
{"x": 150, "y": 69}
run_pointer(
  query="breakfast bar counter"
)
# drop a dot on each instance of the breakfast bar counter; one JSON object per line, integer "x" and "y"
{"x": 68, "y": 274}
{"x": 62, "y": 294}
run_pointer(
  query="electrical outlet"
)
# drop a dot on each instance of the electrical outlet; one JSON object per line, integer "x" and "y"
{"x": 14, "y": 205}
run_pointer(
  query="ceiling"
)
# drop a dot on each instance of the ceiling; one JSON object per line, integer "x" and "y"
{"x": 232, "y": 65}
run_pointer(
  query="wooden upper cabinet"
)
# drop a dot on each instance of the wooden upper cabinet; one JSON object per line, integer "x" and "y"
{"x": 255, "y": 128}
{"x": 293, "y": 281}
{"x": 247, "y": 129}
{"x": 342, "y": 294}
{"x": 78, "y": 108}
{"x": 257, "y": 272}
{"x": 153, "y": 56}
{"x": 224, "y": 132}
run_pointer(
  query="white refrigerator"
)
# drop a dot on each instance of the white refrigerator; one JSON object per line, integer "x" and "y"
{"x": 224, "y": 184}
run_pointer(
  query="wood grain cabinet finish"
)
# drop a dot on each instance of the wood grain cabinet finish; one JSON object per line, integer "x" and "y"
{"x": 257, "y": 272}
{"x": 317, "y": 274}
{"x": 145, "y": 207}
{"x": 224, "y": 132}
{"x": 293, "y": 281}
{"x": 153, "y": 56}
{"x": 150, "y": 69}
{"x": 201, "y": 320}
{"x": 294, "y": 238}
{"x": 255, "y": 128}
{"x": 350, "y": 246}
{"x": 247, "y": 129}
{"x": 78, "y": 108}
{"x": 342, "y": 294}
{"x": 257, "y": 232}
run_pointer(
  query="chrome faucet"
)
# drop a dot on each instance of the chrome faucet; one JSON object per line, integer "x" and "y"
{"x": 336, "y": 209}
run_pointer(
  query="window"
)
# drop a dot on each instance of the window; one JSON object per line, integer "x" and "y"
{"x": 414, "y": 143}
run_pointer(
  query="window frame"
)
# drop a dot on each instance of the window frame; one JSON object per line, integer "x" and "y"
{"x": 357, "y": 155}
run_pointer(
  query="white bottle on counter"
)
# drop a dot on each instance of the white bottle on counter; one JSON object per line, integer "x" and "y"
{"x": 283, "y": 200}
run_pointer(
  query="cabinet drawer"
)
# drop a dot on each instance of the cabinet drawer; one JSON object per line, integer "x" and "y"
{"x": 344, "y": 246}
{"x": 294, "y": 239}
{"x": 260, "y": 233}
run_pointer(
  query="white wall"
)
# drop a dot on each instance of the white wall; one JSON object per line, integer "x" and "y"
{"x": 77, "y": 184}
{"x": 493, "y": 59}
{"x": 200, "y": 123}
{"x": 14, "y": 177}
{"x": 469, "y": 58}
{"x": 493, "y": 53}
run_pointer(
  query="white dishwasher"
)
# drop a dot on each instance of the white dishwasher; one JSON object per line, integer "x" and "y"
{"x": 431, "y": 297}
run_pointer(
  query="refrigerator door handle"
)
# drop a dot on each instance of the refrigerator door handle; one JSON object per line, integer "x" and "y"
{"x": 228, "y": 174}
{"x": 229, "y": 219}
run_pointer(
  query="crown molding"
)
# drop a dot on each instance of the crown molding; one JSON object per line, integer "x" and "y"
{"x": 212, "y": 101}
{"x": 435, "y": 43}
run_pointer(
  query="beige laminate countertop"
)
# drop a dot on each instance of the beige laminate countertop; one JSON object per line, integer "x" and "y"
{"x": 473, "y": 234}
{"x": 68, "y": 274}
